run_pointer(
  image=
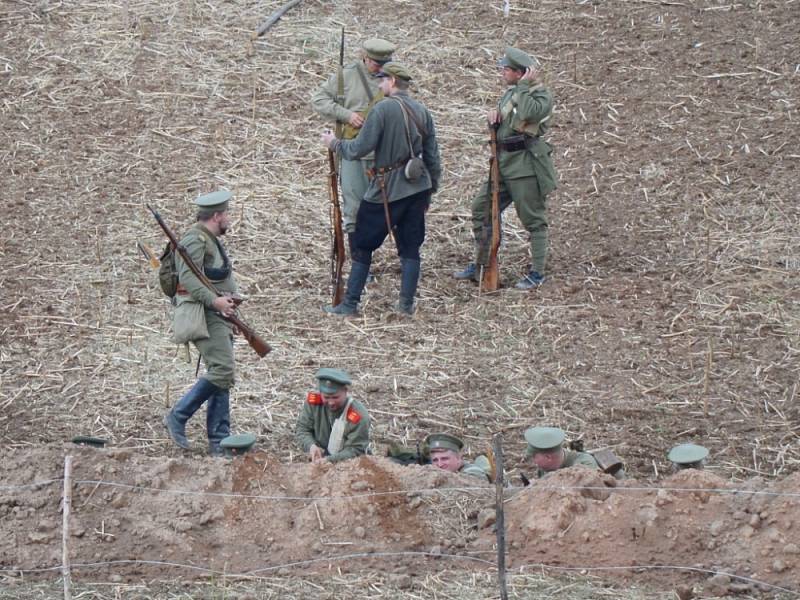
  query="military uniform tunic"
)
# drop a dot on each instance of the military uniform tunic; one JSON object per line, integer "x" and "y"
{"x": 327, "y": 103}
{"x": 315, "y": 423}
{"x": 527, "y": 175}
{"x": 208, "y": 253}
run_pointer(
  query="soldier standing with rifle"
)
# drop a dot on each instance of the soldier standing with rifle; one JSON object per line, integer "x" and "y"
{"x": 400, "y": 131}
{"x": 526, "y": 169}
{"x": 202, "y": 317}
{"x": 346, "y": 98}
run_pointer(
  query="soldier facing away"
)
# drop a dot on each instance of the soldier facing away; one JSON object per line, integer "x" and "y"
{"x": 400, "y": 131}
{"x": 332, "y": 425}
{"x": 197, "y": 319}
{"x": 526, "y": 170}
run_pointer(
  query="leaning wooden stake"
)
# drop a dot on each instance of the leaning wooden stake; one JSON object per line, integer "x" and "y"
{"x": 274, "y": 18}
{"x": 67, "y": 503}
{"x": 499, "y": 517}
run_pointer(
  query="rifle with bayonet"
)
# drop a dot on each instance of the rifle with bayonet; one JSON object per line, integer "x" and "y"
{"x": 337, "y": 247}
{"x": 491, "y": 273}
{"x": 261, "y": 347}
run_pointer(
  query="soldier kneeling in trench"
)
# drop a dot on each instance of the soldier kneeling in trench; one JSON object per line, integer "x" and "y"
{"x": 332, "y": 425}
{"x": 445, "y": 453}
{"x": 547, "y": 454}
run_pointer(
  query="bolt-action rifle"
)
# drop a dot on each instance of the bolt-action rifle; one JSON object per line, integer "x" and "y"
{"x": 491, "y": 273}
{"x": 337, "y": 247}
{"x": 261, "y": 347}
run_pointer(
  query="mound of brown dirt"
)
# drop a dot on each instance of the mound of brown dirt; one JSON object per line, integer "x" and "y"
{"x": 694, "y": 520}
{"x": 251, "y": 513}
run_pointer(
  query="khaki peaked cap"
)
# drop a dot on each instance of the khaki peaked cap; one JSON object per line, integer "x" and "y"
{"x": 517, "y": 59}
{"x": 396, "y": 70}
{"x": 443, "y": 441}
{"x": 379, "y": 50}
{"x": 215, "y": 201}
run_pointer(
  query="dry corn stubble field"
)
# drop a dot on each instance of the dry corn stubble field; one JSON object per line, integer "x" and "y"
{"x": 671, "y": 309}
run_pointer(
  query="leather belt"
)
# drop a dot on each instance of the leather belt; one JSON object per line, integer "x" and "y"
{"x": 515, "y": 143}
{"x": 371, "y": 173}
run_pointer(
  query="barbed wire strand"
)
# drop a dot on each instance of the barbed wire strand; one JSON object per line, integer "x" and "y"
{"x": 535, "y": 487}
{"x": 341, "y": 557}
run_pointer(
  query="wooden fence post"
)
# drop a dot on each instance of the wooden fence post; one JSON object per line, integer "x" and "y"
{"x": 65, "y": 508}
{"x": 500, "y": 524}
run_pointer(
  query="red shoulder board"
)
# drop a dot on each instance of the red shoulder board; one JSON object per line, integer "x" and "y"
{"x": 353, "y": 416}
{"x": 314, "y": 398}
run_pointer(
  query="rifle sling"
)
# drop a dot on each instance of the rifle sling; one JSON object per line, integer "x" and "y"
{"x": 363, "y": 77}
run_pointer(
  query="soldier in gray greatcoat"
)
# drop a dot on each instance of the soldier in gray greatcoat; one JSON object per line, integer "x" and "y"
{"x": 197, "y": 319}
{"x": 398, "y": 129}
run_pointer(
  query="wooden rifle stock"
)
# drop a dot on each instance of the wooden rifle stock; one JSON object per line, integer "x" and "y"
{"x": 261, "y": 347}
{"x": 337, "y": 249}
{"x": 491, "y": 274}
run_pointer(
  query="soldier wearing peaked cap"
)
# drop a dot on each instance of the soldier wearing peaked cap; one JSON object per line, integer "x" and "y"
{"x": 688, "y": 456}
{"x": 197, "y": 320}
{"x": 527, "y": 174}
{"x": 332, "y": 425}
{"x": 545, "y": 450}
{"x": 360, "y": 92}
{"x": 445, "y": 452}
{"x": 400, "y": 131}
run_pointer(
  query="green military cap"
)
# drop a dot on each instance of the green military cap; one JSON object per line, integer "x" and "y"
{"x": 215, "y": 201}
{"x": 544, "y": 438}
{"x": 237, "y": 444}
{"x": 687, "y": 454}
{"x": 393, "y": 69}
{"x": 379, "y": 50}
{"x": 517, "y": 59}
{"x": 443, "y": 441}
{"x": 332, "y": 380}
{"x": 87, "y": 440}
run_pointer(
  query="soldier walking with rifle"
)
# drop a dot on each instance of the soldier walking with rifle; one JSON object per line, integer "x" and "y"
{"x": 205, "y": 301}
{"x": 526, "y": 173}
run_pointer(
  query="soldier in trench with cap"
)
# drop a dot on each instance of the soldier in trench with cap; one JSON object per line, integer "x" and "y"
{"x": 688, "y": 456}
{"x": 547, "y": 454}
{"x": 445, "y": 453}
{"x": 361, "y": 91}
{"x": 197, "y": 319}
{"x": 332, "y": 425}
{"x": 527, "y": 174}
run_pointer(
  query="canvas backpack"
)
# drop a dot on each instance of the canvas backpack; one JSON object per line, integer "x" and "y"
{"x": 168, "y": 272}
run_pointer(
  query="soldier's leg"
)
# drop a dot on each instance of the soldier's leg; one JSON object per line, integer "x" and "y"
{"x": 482, "y": 227}
{"x": 410, "y": 236}
{"x": 354, "y": 186}
{"x": 532, "y": 212}
{"x": 217, "y": 353}
{"x": 370, "y": 233}
{"x": 175, "y": 420}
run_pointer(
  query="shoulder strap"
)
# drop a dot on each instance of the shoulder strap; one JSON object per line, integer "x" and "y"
{"x": 407, "y": 110}
{"x": 363, "y": 77}
{"x": 405, "y": 122}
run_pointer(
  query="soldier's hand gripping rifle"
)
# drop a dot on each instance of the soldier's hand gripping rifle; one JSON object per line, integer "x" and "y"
{"x": 261, "y": 347}
{"x": 491, "y": 273}
{"x": 337, "y": 248}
